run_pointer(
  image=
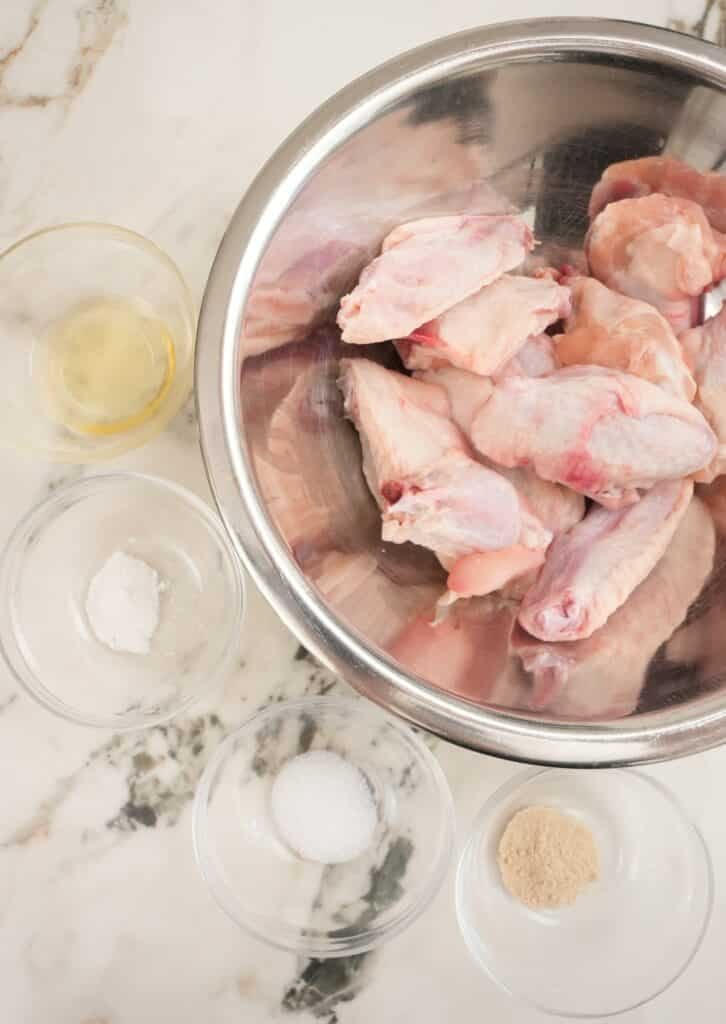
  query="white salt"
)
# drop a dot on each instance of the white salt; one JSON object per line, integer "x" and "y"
{"x": 323, "y": 807}
{"x": 122, "y": 604}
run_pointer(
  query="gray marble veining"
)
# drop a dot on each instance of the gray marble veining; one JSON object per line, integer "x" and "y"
{"x": 157, "y": 116}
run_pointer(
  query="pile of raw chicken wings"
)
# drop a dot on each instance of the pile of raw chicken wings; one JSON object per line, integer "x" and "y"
{"x": 546, "y": 438}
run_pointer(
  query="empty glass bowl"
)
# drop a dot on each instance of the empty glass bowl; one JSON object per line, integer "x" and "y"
{"x": 629, "y": 935}
{"x": 315, "y": 909}
{"x": 97, "y": 334}
{"x": 51, "y": 558}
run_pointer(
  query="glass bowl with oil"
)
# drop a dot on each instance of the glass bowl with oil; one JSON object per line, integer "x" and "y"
{"x": 97, "y": 332}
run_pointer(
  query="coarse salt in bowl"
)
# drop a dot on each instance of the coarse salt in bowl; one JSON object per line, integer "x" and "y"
{"x": 121, "y": 601}
{"x": 316, "y": 778}
{"x": 323, "y": 807}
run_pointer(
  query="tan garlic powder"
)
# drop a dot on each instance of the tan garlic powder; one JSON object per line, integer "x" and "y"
{"x": 546, "y": 858}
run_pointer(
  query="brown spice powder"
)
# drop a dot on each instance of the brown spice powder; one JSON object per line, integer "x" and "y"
{"x": 546, "y": 858}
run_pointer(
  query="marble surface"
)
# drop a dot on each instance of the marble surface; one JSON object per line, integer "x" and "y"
{"x": 156, "y": 114}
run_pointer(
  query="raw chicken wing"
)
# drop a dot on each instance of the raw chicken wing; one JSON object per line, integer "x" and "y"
{"x": 658, "y": 249}
{"x": 602, "y": 676}
{"x": 513, "y": 570}
{"x": 609, "y": 329}
{"x": 457, "y": 506}
{"x": 601, "y": 432}
{"x": 485, "y": 331}
{"x": 557, "y": 507}
{"x": 591, "y": 570}
{"x": 665, "y": 174}
{"x": 403, "y": 424}
{"x": 705, "y": 351}
{"x": 426, "y": 267}
{"x": 418, "y": 465}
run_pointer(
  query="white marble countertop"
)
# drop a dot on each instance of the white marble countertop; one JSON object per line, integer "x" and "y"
{"x": 156, "y": 114}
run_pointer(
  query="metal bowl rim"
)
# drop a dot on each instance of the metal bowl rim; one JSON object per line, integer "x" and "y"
{"x": 658, "y": 735}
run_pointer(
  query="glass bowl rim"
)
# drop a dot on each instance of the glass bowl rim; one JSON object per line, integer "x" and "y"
{"x": 474, "y": 837}
{"x": 184, "y": 373}
{"x": 296, "y": 941}
{"x": 109, "y": 230}
{"x": 47, "y": 511}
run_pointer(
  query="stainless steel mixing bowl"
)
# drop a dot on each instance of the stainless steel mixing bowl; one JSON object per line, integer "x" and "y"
{"x": 525, "y": 114}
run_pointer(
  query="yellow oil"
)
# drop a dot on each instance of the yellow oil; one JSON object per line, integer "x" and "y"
{"x": 109, "y": 367}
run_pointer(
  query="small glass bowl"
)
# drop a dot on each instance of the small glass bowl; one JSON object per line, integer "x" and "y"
{"x": 310, "y": 908}
{"x": 63, "y": 271}
{"x": 630, "y": 934}
{"x": 45, "y": 572}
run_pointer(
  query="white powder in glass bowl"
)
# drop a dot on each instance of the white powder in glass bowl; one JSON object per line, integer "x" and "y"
{"x": 323, "y": 807}
{"x": 122, "y": 604}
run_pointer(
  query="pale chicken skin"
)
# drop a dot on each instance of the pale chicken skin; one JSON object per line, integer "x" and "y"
{"x": 601, "y": 432}
{"x": 591, "y": 570}
{"x": 465, "y": 392}
{"x": 420, "y": 358}
{"x": 658, "y": 249}
{"x": 603, "y": 675}
{"x": 605, "y": 328}
{"x": 425, "y": 268}
{"x": 557, "y": 507}
{"x": 633, "y": 178}
{"x": 536, "y": 358}
{"x": 403, "y": 424}
{"x": 705, "y": 351}
{"x": 419, "y": 467}
{"x": 457, "y": 506}
{"x": 485, "y": 331}
{"x": 513, "y": 569}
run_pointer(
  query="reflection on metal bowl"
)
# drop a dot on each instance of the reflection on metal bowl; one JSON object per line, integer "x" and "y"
{"x": 522, "y": 116}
